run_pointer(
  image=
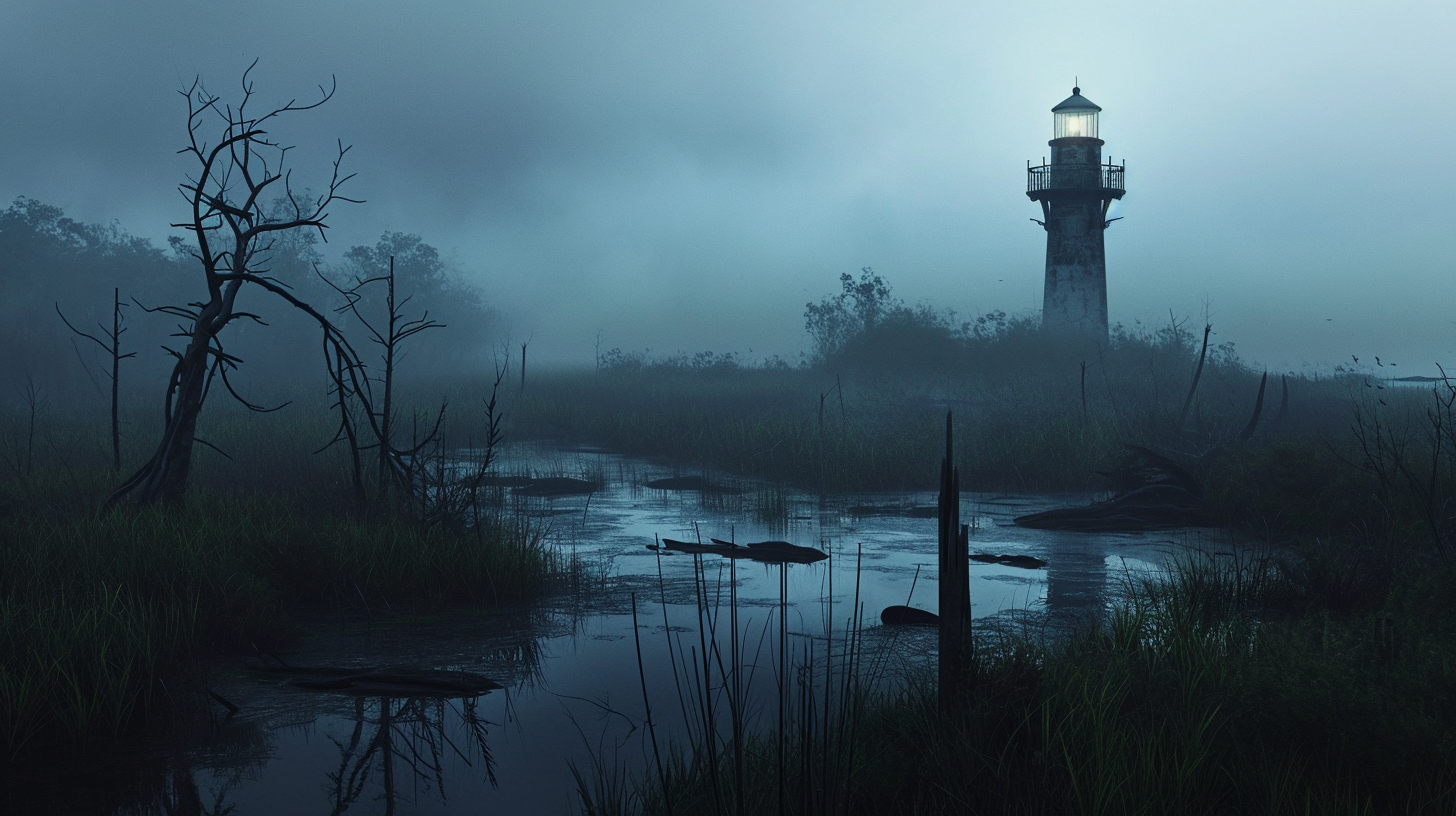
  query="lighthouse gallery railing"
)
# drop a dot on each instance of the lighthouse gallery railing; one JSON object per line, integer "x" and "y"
{"x": 1074, "y": 177}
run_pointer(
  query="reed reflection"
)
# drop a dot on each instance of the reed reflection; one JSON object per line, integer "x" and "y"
{"x": 413, "y": 738}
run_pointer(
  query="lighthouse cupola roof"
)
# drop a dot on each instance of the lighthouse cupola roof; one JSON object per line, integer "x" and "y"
{"x": 1076, "y": 102}
{"x": 1075, "y": 117}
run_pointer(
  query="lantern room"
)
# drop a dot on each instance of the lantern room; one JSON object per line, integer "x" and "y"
{"x": 1075, "y": 117}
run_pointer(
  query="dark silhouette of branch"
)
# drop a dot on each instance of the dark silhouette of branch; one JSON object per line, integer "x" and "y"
{"x": 113, "y": 348}
{"x": 1197, "y": 373}
{"x": 1248, "y": 432}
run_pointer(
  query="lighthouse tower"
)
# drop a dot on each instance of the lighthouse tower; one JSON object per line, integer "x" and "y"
{"x": 1075, "y": 189}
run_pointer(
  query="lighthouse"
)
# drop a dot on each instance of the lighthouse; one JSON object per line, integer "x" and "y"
{"x": 1075, "y": 190}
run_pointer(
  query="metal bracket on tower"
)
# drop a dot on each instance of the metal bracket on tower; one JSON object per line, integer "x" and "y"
{"x": 1043, "y": 223}
{"x": 1106, "y": 224}
{"x": 1106, "y": 205}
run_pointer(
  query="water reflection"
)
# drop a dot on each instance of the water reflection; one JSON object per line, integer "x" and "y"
{"x": 295, "y": 751}
{"x": 159, "y": 781}
{"x": 412, "y": 736}
{"x": 1076, "y": 576}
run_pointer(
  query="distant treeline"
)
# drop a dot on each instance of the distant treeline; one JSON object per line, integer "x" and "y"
{"x": 50, "y": 261}
{"x": 864, "y": 329}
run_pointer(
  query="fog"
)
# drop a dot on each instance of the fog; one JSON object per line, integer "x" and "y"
{"x": 685, "y": 177}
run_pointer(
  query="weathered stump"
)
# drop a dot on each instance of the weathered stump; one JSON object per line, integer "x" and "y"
{"x": 955, "y": 588}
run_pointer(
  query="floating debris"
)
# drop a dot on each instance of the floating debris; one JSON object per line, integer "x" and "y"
{"x": 1023, "y": 561}
{"x": 772, "y": 552}
{"x": 908, "y": 616}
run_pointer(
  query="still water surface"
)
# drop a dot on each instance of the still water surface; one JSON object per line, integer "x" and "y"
{"x": 572, "y": 690}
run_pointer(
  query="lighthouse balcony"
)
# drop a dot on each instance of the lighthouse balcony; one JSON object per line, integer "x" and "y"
{"x": 1092, "y": 180}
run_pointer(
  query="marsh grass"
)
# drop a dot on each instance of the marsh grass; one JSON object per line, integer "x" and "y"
{"x": 1348, "y": 455}
{"x": 732, "y": 675}
{"x": 102, "y": 610}
{"x": 1035, "y": 417}
{"x": 1308, "y": 677}
{"x": 1198, "y": 693}
{"x": 97, "y": 609}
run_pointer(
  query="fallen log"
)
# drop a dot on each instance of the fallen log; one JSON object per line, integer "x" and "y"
{"x": 775, "y": 551}
{"x": 771, "y": 552}
{"x": 908, "y": 616}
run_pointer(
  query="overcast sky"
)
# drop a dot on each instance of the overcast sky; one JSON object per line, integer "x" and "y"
{"x": 684, "y": 176}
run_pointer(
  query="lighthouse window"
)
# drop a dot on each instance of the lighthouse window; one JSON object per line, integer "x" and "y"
{"x": 1076, "y": 123}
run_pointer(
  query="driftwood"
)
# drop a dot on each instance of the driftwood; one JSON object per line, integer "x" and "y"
{"x": 385, "y": 682}
{"x": 908, "y": 616}
{"x": 772, "y": 552}
{"x": 1022, "y": 561}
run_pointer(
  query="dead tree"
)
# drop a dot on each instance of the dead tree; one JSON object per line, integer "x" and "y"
{"x": 112, "y": 347}
{"x": 233, "y": 235}
{"x": 396, "y": 464}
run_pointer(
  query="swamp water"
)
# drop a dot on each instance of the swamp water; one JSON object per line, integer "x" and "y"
{"x": 569, "y": 667}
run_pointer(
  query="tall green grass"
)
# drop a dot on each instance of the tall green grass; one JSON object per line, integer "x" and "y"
{"x": 102, "y": 609}
{"x": 96, "y": 610}
{"x": 1199, "y": 693}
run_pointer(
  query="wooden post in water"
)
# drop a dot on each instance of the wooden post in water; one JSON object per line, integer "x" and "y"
{"x": 955, "y": 588}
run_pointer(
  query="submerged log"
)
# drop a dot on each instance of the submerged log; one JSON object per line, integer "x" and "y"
{"x": 908, "y": 616}
{"x": 771, "y": 552}
{"x": 1022, "y": 561}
